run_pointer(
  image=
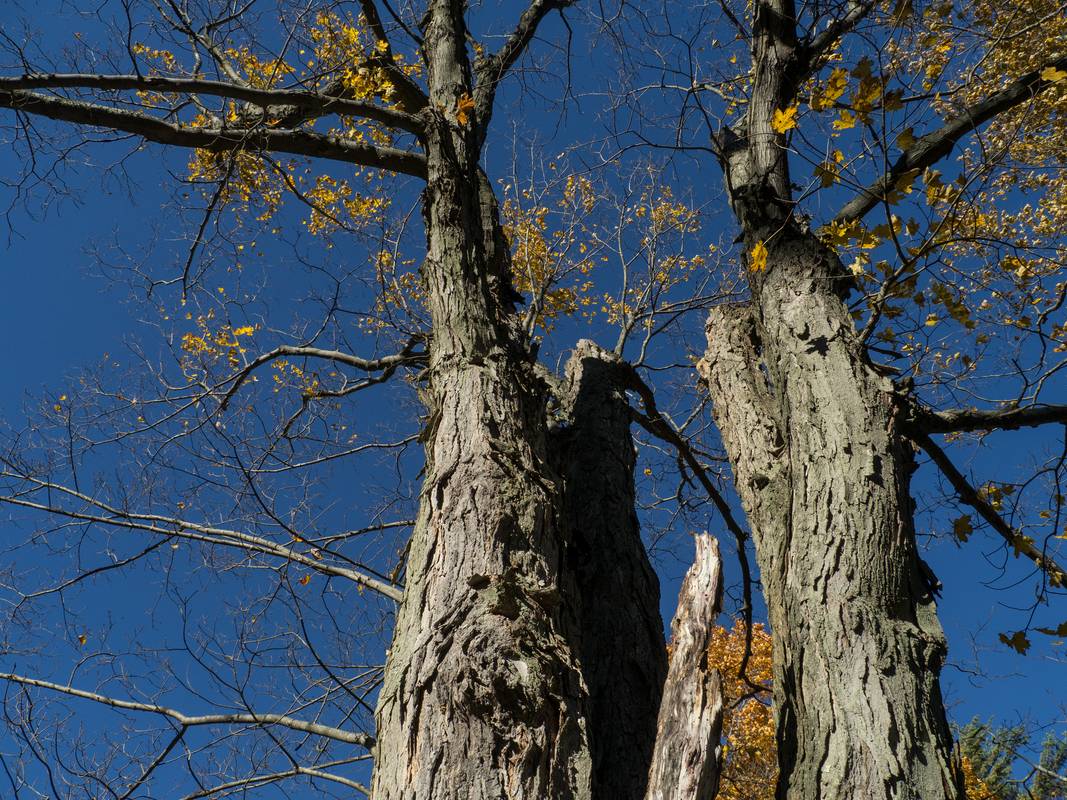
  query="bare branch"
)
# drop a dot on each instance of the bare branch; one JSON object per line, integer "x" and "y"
{"x": 316, "y": 728}
{"x": 493, "y": 68}
{"x": 254, "y": 781}
{"x": 969, "y": 495}
{"x": 313, "y": 104}
{"x": 386, "y": 363}
{"x": 184, "y": 529}
{"x": 934, "y": 146}
{"x": 220, "y": 139}
{"x": 968, "y": 419}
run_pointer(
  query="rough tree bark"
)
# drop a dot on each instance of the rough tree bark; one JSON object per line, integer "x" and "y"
{"x": 822, "y": 468}
{"x": 482, "y": 696}
{"x": 622, "y": 649}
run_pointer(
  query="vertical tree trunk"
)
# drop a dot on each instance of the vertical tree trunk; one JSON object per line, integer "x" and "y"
{"x": 482, "y": 695}
{"x": 622, "y": 650}
{"x": 822, "y": 470}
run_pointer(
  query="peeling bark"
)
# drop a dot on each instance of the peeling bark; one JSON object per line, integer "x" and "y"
{"x": 687, "y": 757}
{"x": 823, "y": 471}
{"x": 622, "y": 650}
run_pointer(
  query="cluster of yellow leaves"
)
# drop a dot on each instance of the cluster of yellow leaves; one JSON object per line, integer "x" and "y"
{"x": 288, "y": 374}
{"x": 868, "y": 94}
{"x": 1002, "y": 222}
{"x": 343, "y": 48}
{"x": 553, "y": 266}
{"x": 664, "y": 225}
{"x": 976, "y": 788}
{"x": 334, "y": 200}
{"x": 401, "y": 290}
{"x": 344, "y": 59}
{"x": 208, "y": 344}
{"x": 749, "y": 754}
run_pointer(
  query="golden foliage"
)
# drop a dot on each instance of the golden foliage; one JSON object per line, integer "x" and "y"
{"x": 976, "y": 788}
{"x": 750, "y": 757}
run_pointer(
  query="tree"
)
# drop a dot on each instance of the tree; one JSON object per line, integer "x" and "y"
{"x": 820, "y": 436}
{"x": 482, "y": 686}
{"x": 527, "y": 654}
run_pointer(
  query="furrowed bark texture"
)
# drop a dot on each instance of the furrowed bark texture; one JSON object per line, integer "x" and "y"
{"x": 482, "y": 696}
{"x": 622, "y": 650}
{"x": 823, "y": 474}
{"x": 687, "y": 757}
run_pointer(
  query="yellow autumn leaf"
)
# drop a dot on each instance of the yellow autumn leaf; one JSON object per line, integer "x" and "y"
{"x": 82, "y": 639}
{"x": 906, "y": 139}
{"x": 305, "y": 580}
{"x": 464, "y": 107}
{"x": 845, "y": 121}
{"x": 1053, "y": 74}
{"x": 757, "y": 259}
{"x": 784, "y": 119}
{"x": 827, "y": 173}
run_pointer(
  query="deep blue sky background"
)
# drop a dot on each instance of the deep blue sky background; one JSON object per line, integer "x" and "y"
{"x": 58, "y": 315}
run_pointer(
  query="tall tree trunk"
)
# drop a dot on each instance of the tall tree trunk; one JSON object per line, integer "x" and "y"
{"x": 622, "y": 649}
{"x": 822, "y": 469}
{"x": 482, "y": 695}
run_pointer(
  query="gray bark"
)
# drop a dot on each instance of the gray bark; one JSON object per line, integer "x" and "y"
{"x": 622, "y": 649}
{"x": 482, "y": 695}
{"x": 687, "y": 758}
{"x": 822, "y": 469}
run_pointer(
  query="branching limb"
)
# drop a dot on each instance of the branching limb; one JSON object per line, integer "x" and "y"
{"x": 279, "y": 102}
{"x": 969, "y": 495}
{"x": 254, "y": 781}
{"x": 215, "y": 139}
{"x": 387, "y": 363}
{"x": 934, "y": 146}
{"x": 965, "y": 419}
{"x": 820, "y": 45}
{"x": 656, "y": 424}
{"x": 492, "y": 69}
{"x": 188, "y": 721}
{"x": 173, "y": 527}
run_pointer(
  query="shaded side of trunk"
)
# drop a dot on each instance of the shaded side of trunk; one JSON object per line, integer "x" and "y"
{"x": 823, "y": 471}
{"x": 687, "y": 760}
{"x": 482, "y": 695}
{"x": 622, "y": 650}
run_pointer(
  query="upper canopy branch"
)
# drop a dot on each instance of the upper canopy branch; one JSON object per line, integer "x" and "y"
{"x": 215, "y": 139}
{"x": 818, "y": 46}
{"x": 311, "y": 104}
{"x": 964, "y": 419}
{"x": 935, "y": 145}
{"x": 187, "y": 720}
{"x": 492, "y": 69}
